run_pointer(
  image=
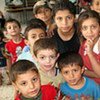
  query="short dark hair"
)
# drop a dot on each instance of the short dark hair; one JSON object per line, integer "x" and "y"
{"x": 11, "y": 20}
{"x": 34, "y": 23}
{"x": 44, "y": 43}
{"x": 21, "y": 67}
{"x": 64, "y": 5}
{"x": 69, "y": 58}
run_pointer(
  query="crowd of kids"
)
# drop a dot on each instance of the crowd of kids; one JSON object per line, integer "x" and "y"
{"x": 58, "y": 55}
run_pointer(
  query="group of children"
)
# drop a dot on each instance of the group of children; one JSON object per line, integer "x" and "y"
{"x": 57, "y": 67}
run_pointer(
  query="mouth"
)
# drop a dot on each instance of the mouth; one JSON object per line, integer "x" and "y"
{"x": 33, "y": 91}
{"x": 72, "y": 81}
{"x": 48, "y": 66}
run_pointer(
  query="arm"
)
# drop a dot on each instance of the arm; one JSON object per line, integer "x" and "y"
{"x": 94, "y": 63}
{"x": 91, "y": 74}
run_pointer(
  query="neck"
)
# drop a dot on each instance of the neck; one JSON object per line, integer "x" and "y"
{"x": 17, "y": 39}
{"x": 50, "y": 72}
{"x": 66, "y": 36}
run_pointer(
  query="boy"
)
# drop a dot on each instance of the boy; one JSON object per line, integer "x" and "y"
{"x": 76, "y": 86}
{"x": 35, "y": 30}
{"x": 46, "y": 53}
{"x": 65, "y": 35}
{"x": 43, "y": 10}
{"x": 26, "y": 80}
{"x": 95, "y": 5}
{"x": 15, "y": 45}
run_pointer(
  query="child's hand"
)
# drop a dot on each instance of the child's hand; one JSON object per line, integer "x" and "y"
{"x": 89, "y": 46}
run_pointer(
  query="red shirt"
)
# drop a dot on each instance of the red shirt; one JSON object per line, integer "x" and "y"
{"x": 87, "y": 62}
{"x": 14, "y": 49}
{"x": 48, "y": 93}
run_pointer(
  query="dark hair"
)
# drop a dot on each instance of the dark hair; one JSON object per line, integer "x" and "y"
{"x": 69, "y": 59}
{"x": 64, "y": 5}
{"x": 21, "y": 67}
{"x": 11, "y": 21}
{"x": 84, "y": 16}
{"x": 34, "y": 24}
{"x": 44, "y": 43}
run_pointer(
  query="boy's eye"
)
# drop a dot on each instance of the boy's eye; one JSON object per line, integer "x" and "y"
{"x": 23, "y": 83}
{"x": 42, "y": 57}
{"x": 52, "y": 57}
{"x": 34, "y": 79}
{"x": 66, "y": 72}
{"x": 42, "y": 36}
{"x": 75, "y": 70}
{"x": 59, "y": 18}
{"x": 46, "y": 10}
{"x": 69, "y": 17}
{"x": 33, "y": 37}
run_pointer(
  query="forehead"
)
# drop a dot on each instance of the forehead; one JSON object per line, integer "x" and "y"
{"x": 63, "y": 13}
{"x": 43, "y": 8}
{"x": 46, "y": 52}
{"x": 90, "y": 21}
{"x": 11, "y": 24}
{"x": 36, "y": 31}
{"x": 27, "y": 75}
{"x": 70, "y": 66}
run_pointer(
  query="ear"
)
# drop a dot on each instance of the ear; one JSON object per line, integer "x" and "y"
{"x": 83, "y": 69}
{"x": 26, "y": 42}
{"x": 58, "y": 54}
{"x": 15, "y": 85}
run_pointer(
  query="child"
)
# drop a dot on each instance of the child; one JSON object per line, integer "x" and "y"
{"x": 89, "y": 26}
{"x": 95, "y": 5}
{"x": 46, "y": 53}
{"x": 35, "y": 30}
{"x": 15, "y": 45}
{"x": 76, "y": 87}
{"x": 43, "y": 10}
{"x": 26, "y": 80}
{"x": 65, "y": 35}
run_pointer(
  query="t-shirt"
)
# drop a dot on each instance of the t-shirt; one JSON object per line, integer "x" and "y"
{"x": 71, "y": 45}
{"x": 2, "y": 58}
{"x": 14, "y": 49}
{"x": 90, "y": 91}
{"x": 48, "y": 92}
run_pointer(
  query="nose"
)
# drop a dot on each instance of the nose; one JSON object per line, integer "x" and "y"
{"x": 31, "y": 85}
{"x": 48, "y": 60}
{"x": 64, "y": 21}
{"x": 71, "y": 75}
{"x": 89, "y": 30}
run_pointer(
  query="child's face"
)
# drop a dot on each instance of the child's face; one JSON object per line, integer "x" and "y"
{"x": 13, "y": 29}
{"x": 44, "y": 14}
{"x": 64, "y": 21}
{"x": 28, "y": 84}
{"x": 96, "y": 5}
{"x": 72, "y": 74}
{"x": 47, "y": 59}
{"x": 90, "y": 29}
{"x": 35, "y": 34}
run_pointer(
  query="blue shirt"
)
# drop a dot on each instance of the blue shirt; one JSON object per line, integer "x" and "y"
{"x": 90, "y": 90}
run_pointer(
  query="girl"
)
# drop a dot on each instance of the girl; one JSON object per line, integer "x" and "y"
{"x": 89, "y": 26}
